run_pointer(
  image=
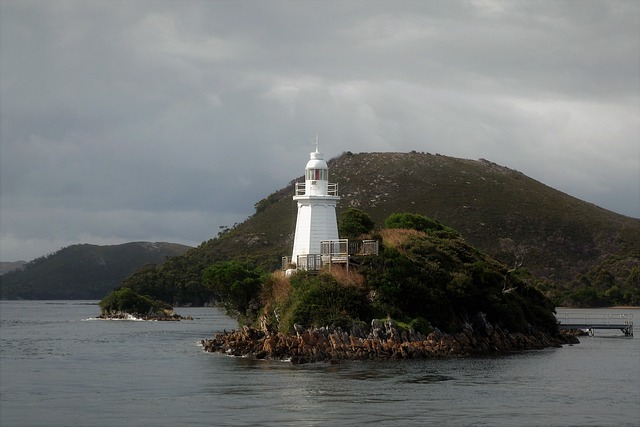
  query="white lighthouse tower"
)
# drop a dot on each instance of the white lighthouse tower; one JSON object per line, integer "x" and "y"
{"x": 317, "y": 200}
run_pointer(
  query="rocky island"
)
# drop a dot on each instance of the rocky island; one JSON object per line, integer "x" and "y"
{"x": 123, "y": 304}
{"x": 384, "y": 342}
{"x": 427, "y": 294}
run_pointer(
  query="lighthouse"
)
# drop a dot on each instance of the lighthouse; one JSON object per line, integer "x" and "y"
{"x": 317, "y": 200}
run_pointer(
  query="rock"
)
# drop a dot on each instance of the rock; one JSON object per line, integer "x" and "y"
{"x": 378, "y": 333}
{"x": 358, "y": 330}
{"x": 481, "y": 326}
{"x": 160, "y": 316}
{"x": 335, "y": 345}
{"x": 298, "y": 328}
{"x": 376, "y": 324}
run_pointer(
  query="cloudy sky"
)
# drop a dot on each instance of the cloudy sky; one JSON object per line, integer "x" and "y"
{"x": 164, "y": 120}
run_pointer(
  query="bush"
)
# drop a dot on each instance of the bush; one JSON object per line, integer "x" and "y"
{"x": 412, "y": 221}
{"x": 125, "y": 300}
{"x": 421, "y": 325}
{"x": 236, "y": 284}
{"x": 353, "y": 223}
{"x": 322, "y": 301}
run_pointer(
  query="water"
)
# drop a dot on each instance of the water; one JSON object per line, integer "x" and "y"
{"x": 58, "y": 367}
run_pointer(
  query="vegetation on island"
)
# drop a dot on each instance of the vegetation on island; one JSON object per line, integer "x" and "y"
{"x": 235, "y": 285}
{"x": 124, "y": 301}
{"x": 426, "y": 276}
{"x": 354, "y": 223}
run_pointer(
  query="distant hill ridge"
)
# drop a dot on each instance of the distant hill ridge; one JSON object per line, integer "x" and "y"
{"x": 83, "y": 271}
{"x": 6, "y": 267}
{"x": 567, "y": 243}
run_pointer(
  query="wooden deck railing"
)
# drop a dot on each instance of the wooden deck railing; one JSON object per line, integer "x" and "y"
{"x": 339, "y": 251}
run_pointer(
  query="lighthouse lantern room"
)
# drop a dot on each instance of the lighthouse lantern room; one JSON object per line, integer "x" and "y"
{"x": 316, "y": 220}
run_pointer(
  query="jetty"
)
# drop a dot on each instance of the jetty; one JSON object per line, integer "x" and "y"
{"x": 592, "y": 321}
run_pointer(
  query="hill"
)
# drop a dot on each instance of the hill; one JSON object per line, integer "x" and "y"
{"x": 83, "y": 271}
{"x": 569, "y": 245}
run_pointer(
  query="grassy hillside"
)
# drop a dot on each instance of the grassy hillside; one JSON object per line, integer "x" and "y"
{"x": 568, "y": 244}
{"x": 560, "y": 235}
{"x": 83, "y": 271}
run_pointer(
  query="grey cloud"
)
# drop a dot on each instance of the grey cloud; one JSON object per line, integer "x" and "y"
{"x": 163, "y": 120}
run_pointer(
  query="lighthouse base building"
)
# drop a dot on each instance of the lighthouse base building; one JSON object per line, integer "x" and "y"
{"x": 316, "y": 221}
{"x": 316, "y": 241}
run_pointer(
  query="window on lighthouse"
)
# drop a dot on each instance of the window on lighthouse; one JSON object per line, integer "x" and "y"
{"x": 317, "y": 174}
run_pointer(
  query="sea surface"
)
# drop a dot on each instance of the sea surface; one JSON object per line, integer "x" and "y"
{"x": 59, "y": 366}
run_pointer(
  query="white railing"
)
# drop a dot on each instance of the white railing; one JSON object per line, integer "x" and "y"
{"x": 332, "y": 252}
{"x": 608, "y": 319}
{"x": 593, "y": 321}
{"x": 344, "y": 247}
{"x": 334, "y": 247}
{"x": 364, "y": 247}
{"x": 332, "y": 189}
{"x": 311, "y": 262}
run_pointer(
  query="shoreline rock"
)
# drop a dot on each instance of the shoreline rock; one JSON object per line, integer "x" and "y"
{"x": 575, "y": 332}
{"x": 164, "y": 317}
{"x": 335, "y": 345}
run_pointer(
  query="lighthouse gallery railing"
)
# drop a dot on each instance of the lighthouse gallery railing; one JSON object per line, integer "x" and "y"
{"x": 332, "y": 189}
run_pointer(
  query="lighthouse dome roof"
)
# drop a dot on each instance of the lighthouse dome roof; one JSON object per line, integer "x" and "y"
{"x": 316, "y": 161}
{"x": 316, "y": 164}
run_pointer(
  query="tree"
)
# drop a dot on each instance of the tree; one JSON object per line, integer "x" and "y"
{"x": 234, "y": 283}
{"x": 266, "y": 202}
{"x": 353, "y": 223}
{"x": 412, "y": 221}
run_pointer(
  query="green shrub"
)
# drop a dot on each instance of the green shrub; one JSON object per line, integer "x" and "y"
{"x": 353, "y": 223}
{"x": 125, "y": 300}
{"x": 322, "y": 301}
{"x": 412, "y": 221}
{"x": 235, "y": 284}
{"x": 421, "y": 325}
